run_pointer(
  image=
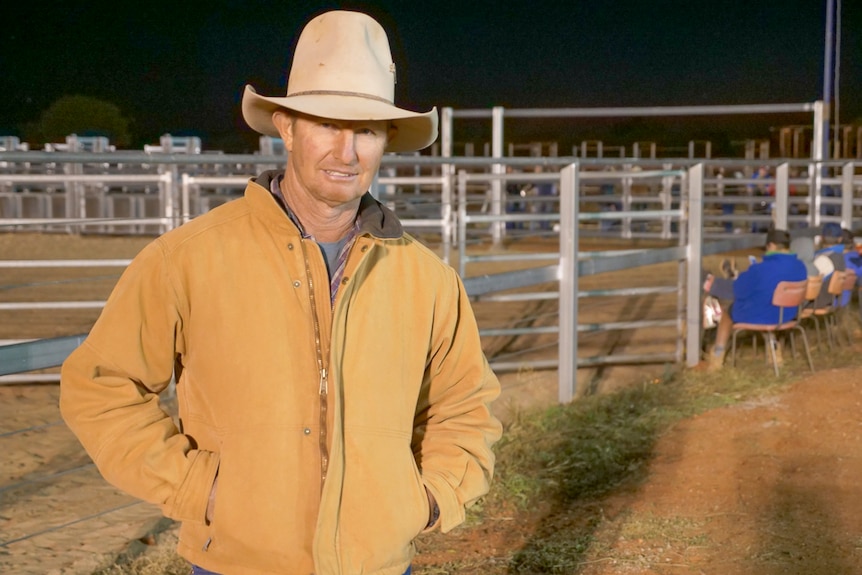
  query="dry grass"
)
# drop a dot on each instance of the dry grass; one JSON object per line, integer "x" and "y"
{"x": 157, "y": 556}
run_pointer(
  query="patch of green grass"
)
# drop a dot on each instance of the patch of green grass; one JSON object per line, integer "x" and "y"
{"x": 582, "y": 449}
{"x": 560, "y": 553}
{"x": 681, "y": 530}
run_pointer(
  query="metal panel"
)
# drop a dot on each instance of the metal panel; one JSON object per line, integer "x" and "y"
{"x": 40, "y": 354}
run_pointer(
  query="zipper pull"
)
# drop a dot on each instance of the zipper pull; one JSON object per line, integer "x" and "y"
{"x": 324, "y": 385}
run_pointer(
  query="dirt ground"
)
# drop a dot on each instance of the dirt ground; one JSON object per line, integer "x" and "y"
{"x": 764, "y": 487}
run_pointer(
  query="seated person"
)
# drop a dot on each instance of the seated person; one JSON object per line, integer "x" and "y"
{"x": 827, "y": 260}
{"x": 853, "y": 257}
{"x": 853, "y": 261}
{"x": 753, "y": 290}
{"x": 803, "y": 243}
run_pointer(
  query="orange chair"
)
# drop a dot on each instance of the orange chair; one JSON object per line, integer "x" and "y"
{"x": 842, "y": 313}
{"x": 826, "y": 314}
{"x": 787, "y": 295}
{"x": 815, "y": 284}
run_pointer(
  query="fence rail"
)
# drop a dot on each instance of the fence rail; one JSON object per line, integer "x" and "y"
{"x": 466, "y": 203}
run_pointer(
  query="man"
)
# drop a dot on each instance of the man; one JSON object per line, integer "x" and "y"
{"x": 752, "y": 292}
{"x": 853, "y": 261}
{"x": 830, "y": 258}
{"x": 853, "y": 256}
{"x": 333, "y": 395}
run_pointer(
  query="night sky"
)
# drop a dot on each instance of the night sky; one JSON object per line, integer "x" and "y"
{"x": 180, "y": 66}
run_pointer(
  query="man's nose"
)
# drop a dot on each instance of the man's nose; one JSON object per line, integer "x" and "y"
{"x": 345, "y": 146}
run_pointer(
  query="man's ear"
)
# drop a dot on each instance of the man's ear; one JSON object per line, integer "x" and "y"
{"x": 283, "y": 122}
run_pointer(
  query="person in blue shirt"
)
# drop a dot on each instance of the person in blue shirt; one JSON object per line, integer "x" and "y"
{"x": 853, "y": 261}
{"x": 853, "y": 256}
{"x": 753, "y": 289}
{"x": 830, "y": 258}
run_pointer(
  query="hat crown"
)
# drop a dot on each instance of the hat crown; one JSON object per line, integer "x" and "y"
{"x": 346, "y": 53}
{"x": 342, "y": 69}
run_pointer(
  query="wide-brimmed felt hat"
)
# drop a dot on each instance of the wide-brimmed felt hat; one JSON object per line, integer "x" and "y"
{"x": 342, "y": 70}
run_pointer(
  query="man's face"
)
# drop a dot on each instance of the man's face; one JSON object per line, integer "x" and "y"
{"x": 332, "y": 161}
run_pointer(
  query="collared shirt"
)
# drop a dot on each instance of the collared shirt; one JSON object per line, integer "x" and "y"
{"x": 337, "y": 273}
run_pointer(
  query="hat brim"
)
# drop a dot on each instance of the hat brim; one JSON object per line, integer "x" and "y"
{"x": 414, "y": 130}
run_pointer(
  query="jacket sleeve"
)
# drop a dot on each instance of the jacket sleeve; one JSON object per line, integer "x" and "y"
{"x": 109, "y": 394}
{"x": 454, "y": 428}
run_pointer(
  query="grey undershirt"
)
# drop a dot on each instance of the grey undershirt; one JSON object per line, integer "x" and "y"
{"x": 330, "y": 253}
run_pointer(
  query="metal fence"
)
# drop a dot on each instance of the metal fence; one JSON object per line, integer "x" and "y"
{"x": 614, "y": 198}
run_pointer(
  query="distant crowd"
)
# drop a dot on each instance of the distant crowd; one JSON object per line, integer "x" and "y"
{"x": 823, "y": 266}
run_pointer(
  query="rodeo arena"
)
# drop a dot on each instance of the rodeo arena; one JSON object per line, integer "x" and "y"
{"x": 585, "y": 267}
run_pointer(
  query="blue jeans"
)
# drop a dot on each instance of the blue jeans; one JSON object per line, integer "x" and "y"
{"x": 201, "y": 571}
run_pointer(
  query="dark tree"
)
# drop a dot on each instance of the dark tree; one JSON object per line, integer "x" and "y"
{"x": 81, "y": 115}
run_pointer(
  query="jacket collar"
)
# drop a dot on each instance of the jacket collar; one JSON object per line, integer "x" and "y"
{"x": 375, "y": 219}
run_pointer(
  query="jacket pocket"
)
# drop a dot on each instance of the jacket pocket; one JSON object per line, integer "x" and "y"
{"x": 267, "y": 499}
{"x": 384, "y": 504}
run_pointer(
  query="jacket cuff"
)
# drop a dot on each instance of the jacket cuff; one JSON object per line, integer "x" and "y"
{"x": 452, "y": 511}
{"x": 190, "y": 504}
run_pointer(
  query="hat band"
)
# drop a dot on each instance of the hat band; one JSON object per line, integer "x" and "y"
{"x": 340, "y": 93}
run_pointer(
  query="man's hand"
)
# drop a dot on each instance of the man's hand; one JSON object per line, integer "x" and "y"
{"x": 433, "y": 509}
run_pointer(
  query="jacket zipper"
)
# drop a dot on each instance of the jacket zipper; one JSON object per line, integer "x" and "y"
{"x": 323, "y": 383}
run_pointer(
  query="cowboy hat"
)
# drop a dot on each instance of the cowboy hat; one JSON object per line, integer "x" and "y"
{"x": 342, "y": 69}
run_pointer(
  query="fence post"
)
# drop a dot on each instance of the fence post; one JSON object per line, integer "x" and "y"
{"x": 462, "y": 223}
{"x": 847, "y": 173}
{"x": 447, "y": 172}
{"x": 496, "y": 204}
{"x": 568, "y": 276}
{"x": 185, "y": 200}
{"x": 695, "y": 254}
{"x": 166, "y": 197}
{"x": 627, "y": 202}
{"x": 818, "y": 154}
{"x": 666, "y": 195}
{"x": 782, "y": 196}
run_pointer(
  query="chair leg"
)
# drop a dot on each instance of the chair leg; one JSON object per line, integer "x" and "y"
{"x": 827, "y": 328}
{"x": 770, "y": 342}
{"x": 835, "y": 328}
{"x": 733, "y": 349}
{"x": 805, "y": 345}
{"x": 816, "y": 322}
{"x": 846, "y": 319}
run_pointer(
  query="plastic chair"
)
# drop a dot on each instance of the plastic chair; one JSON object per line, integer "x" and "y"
{"x": 815, "y": 284}
{"x": 787, "y": 295}
{"x": 842, "y": 313}
{"x": 826, "y": 313}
